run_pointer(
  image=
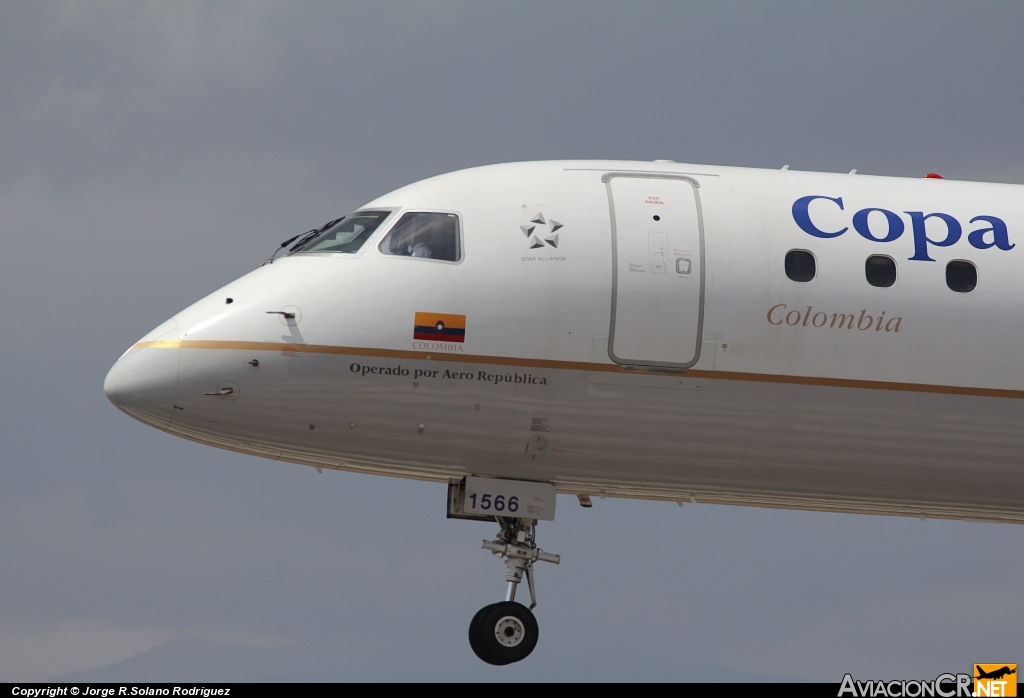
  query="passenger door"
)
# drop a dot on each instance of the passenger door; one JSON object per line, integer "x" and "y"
{"x": 658, "y": 270}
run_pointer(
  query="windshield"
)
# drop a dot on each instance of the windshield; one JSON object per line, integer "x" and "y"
{"x": 429, "y": 235}
{"x": 345, "y": 235}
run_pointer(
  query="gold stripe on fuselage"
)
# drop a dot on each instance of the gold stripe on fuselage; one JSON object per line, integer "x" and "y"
{"x": 578, "y": 366}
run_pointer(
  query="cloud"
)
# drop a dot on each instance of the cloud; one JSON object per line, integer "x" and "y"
{"x": 65, "y": 103}
{"x": 38, "y": 651}
{"x": 182, "y": 42}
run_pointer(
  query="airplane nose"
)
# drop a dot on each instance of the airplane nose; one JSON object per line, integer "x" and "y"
{"x": 144, "y": 381}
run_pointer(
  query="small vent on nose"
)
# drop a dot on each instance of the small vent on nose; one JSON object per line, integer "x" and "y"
{"x": 226, "y": 390}
{"x": 222, "y": 391}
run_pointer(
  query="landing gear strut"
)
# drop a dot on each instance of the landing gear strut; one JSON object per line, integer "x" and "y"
{"x": 506, "y": 632}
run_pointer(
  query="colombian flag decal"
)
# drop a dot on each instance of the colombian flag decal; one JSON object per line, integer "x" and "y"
{"x": 440, "y": 327}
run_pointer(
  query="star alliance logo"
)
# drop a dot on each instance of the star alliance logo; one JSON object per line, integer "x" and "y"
{"x": 541, "y": 231}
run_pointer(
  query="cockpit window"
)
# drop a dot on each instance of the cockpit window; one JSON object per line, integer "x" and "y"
{"x": 344, "y": 235}
{"x": 426, "y": 235}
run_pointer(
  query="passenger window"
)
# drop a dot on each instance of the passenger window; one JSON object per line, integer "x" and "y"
{"x": 880, "y": 270}
{"x": 427, "y": 235}
{"x": 800, "y": 265}
{"x": 343, "y": 235}
{"x": 961, "y": 276}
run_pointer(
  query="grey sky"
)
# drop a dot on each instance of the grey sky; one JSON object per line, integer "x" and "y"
{"x": 153, "y": 152}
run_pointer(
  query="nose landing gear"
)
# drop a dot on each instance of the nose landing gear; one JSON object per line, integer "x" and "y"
{"x": 506, "y": 632}
{"x": 503, "y": 633}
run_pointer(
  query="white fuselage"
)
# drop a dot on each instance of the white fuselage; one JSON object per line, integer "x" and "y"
{"x": 614, "y": 354}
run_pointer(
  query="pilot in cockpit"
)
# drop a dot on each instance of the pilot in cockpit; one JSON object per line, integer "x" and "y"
{"x": 420, "y": 249}
{"x": 425, "y": 235}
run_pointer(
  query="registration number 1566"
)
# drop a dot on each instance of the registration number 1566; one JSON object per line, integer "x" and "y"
{"x": 493, "y": 496}
{"x": 495, "y": 502}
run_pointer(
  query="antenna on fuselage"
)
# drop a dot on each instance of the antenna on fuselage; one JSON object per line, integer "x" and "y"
{"x": 283, "y": 245}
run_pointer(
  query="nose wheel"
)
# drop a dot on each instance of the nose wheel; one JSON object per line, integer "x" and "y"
{"x": 503, "y": 633}
{"x": 506, "y": 632}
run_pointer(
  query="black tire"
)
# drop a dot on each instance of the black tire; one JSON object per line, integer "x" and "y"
{"x": 476, "y": 630}
{"x": 503, "y": 633}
